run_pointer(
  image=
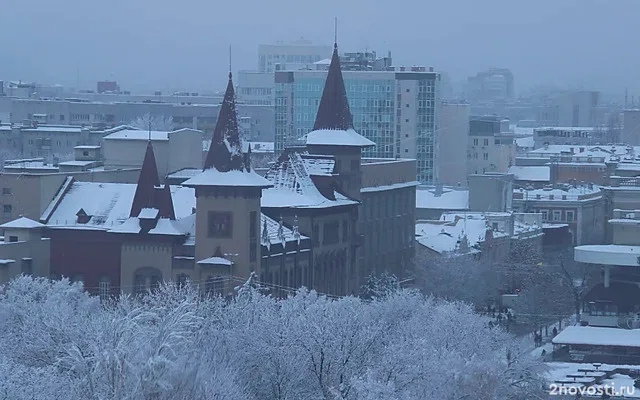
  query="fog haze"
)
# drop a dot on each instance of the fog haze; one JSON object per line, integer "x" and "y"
{"x": 159, "y": 44}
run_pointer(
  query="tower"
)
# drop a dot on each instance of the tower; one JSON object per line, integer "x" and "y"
{"x": 228, "y": 196}
{"x": 333, "y": 132}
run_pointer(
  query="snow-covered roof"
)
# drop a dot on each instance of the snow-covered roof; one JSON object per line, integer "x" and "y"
{"x": 6, "y": 261}
{"x": 445, "y": 237}
{"x": 21, "y": 223}
{"x": 185, "y": 173}
{"x": 262, "y": 147}
{"x": 531, "y": 173}
{"x": 38, "y": 165}
{"x": 550, "y": 194}
{"x": 137, "y": 134}
{"x": 164, "y": 226}
{"x": 334, "y": 137}
{"x": 450, "y": 199}
{"x": 394, "y": 186}
{"x": 213, "y": 177}
{"x": 293, "y": 185}
{"x": 526, "y": 142}
{"x": 215, "y": 261}
{"x": 148, "y": 213}
{"x": 87, "y": 147}
{"x": 596, "y": 336}
{"x": 76, "y": 163}
{"x": 108, "y": 204}
{"x": 275, "y": 234}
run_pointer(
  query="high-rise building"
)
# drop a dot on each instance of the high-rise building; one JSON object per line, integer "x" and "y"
{"x": 299, "y": 52}
{"x": 495, "y": 84}
{"x": 578, "y": 108}
{"x": 396, "y": 109}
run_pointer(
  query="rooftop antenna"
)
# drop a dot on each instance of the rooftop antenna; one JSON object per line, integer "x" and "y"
{"x": 229, "y": 61}
{"x": 149, "y": 129}
{"x": 335, "y": 32}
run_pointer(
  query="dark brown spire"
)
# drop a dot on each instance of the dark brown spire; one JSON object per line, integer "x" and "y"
{"x": 333, "y": 112}
{"x": 148, "y": 193}
{"x": 225, "y": 151}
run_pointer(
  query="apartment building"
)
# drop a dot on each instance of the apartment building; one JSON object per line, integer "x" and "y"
{"x": 491, "y": 146}
{"x": 562, "y": 135}
{"x": 299, "y": 52}
{"x": 581, "y": 208}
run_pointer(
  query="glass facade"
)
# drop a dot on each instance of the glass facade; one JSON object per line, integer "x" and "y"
{"x": 372, "y": 100}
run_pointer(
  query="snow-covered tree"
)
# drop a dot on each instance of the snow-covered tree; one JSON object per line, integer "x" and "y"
{"x": 158, "y": 123}
{"x": 58, "y": 342}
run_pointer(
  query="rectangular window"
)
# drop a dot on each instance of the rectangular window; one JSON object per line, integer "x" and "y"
{"x": 345, "y": 230}
{"x": 545, "y": 215}
{"x": 330, "y": 232}
{"x": 485, "y": 156}
{"x": 253, "y": 227}
{"x": 475, "y": 142}
{"x": 557, "y": 215}
{"x": 6, "y": 191}
{"x": 6, "y": 209}
{"x": 27, "y": 266}
{"x": 486, "y": 142}
{"x": 104, "y": 288}
{"x": 570, "y": 216}
{"x": 220, "y": 224}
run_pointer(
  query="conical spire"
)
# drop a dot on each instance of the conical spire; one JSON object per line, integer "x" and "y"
{"x": 333, "y": 112}
{"x": 225, "y": 152}
{"x": 148, "y": 193}
{"x": 147, "y": 182}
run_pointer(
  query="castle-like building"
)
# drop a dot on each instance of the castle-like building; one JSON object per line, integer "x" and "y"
{"x": 298, "y": 225}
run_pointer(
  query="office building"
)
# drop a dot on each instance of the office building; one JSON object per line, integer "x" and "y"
{"x": 397, "y": 110}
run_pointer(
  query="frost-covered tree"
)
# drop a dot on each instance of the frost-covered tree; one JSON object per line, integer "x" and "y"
{"x": 157, "y": 122}
{"x": 58, "y": 342}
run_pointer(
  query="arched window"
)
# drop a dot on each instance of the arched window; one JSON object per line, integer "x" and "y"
{"x": 104, "y": 288}
{"x": 182, "y": 280}
{"x": 146, "y": 279}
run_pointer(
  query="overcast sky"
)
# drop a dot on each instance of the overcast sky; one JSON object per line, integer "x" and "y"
{"x": 161, "y": 44}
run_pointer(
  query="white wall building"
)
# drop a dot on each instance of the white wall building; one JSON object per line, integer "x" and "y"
{"x": 451, "y": 145}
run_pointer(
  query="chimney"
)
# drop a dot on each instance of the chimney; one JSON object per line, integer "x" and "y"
{"x": 438, "y": 190}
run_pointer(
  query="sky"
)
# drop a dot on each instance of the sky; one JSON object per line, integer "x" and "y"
{"x": 162, "y": 45}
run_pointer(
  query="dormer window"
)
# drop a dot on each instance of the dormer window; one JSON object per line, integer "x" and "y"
{"x": 82, "y": 217}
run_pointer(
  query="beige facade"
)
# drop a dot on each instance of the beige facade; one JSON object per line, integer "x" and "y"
{"x": 241, "y": 209}
{"x": 23, "y": 250}
{"x": 494, "y": 153}
{"x": 453, "y": 137}
{"x": 145, "y": 265}
{"x": 173, "y": 150}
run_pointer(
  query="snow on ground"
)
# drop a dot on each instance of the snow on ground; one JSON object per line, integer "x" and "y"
{"x": 620, "y": 382}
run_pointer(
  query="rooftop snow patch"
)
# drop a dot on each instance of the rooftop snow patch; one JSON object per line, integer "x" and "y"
{"x": 108, "y": 204}
{"x": 448, "y": 200}
{"x": 530, "y": 173}
{"x": 138, "y": 134}
{"x": 22, "y": 223}
{"x": 215, "y": 261}
{"x": 213, "y": 177}
{"x": 331, "y": 137}
{"x": 594, "y": 336}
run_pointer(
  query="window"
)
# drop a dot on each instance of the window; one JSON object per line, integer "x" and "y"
{"x": 27, "y": 266}
{"x": 475, "y": 142}
{"x": 6, "y": 191}
{"x": 6, "y": 209}
{"x": 485, "y": 156}
{"x": 220, "y": 224}
{"x": 486, "y": 142}
{"x": 182, "y": 280}
{"x": 104, "y": 288}
{"x": 139, "y": 284}
{"x": 345, "y": 230}
{"x": 13, "y": 239}
{"x": 545, "y": 215}
{"x": 330, "y": 232}
{"x": 571, "y": 216}
{"x": 557, "y": 215}
{"x": 85, "y": 153}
